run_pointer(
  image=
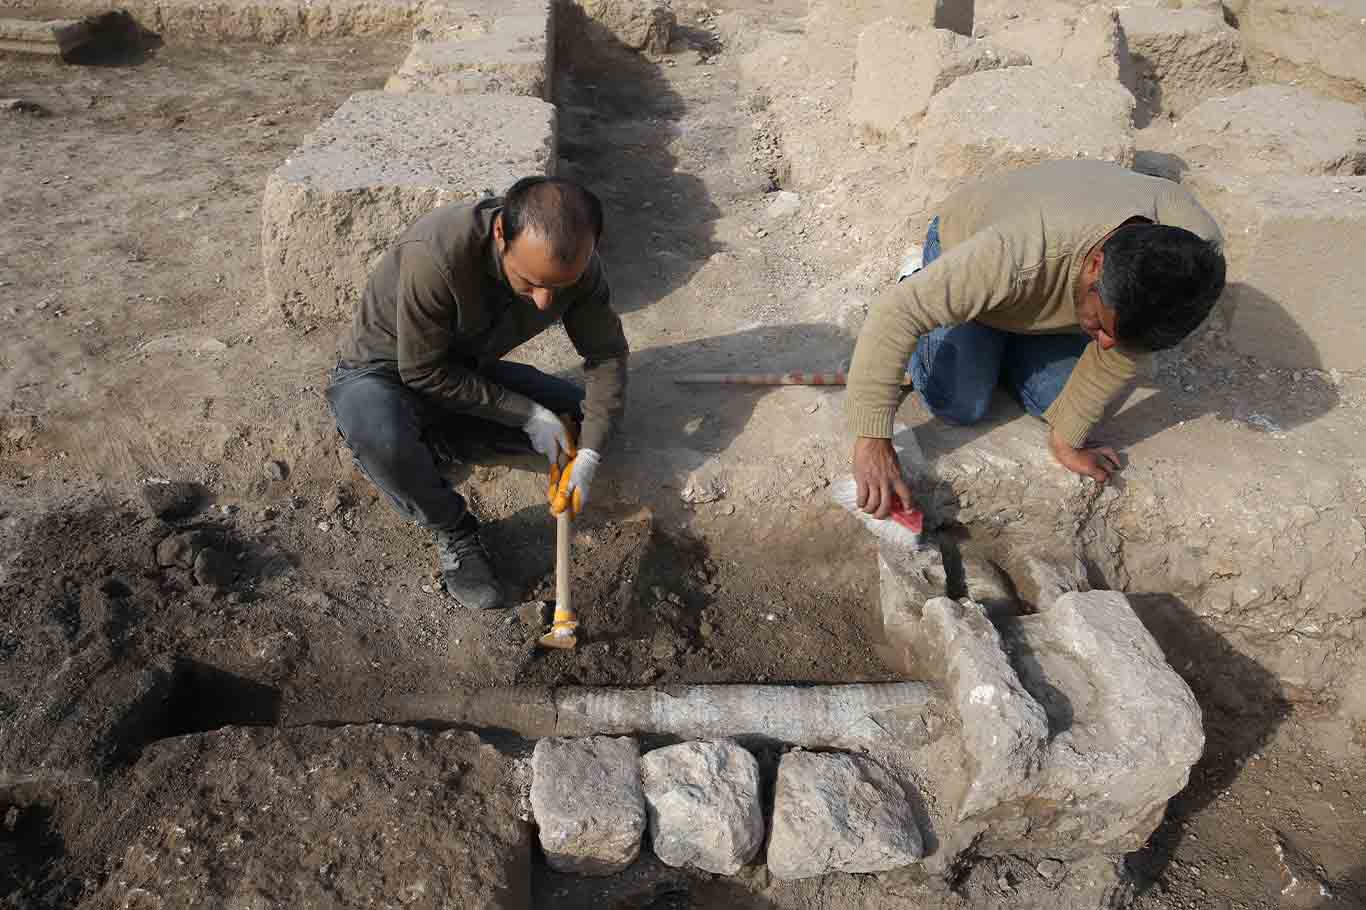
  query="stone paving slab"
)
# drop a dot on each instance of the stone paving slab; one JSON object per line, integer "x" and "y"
{"x": 515, "y": 58}
{"x": 380, "y": 163}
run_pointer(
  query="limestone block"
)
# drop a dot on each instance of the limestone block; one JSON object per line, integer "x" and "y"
{"x": 1311, "y": 315}
{"x": 1275, "y": 129}
{"x": 588, "y": 803}
{"x": 641, "y": 25}
{"x": 1001, "y": 120}
{"x": 381, "y": 162}
{"x": 703, "y": 805}
{"x": 1117, "y": 712}
{"x": 1316, "y": 42}
{"x": 840, "y": 22}
{"x": 465, "y": 20}
{"x": 1051, "y": 579}
{"x": 900, "y": 67}
{"x": 907, "y": 581}
{"x": 1178, "y": 58}
{"x": 513, "y": 59}
{"x": 46, "y": 37}
{"x": 366, "y": 815}
{"x": 1004, "y": 728}
{"x": 263, "y": 21}
{"x": 839, "y": 813}
{"x": 1086, "y": 42}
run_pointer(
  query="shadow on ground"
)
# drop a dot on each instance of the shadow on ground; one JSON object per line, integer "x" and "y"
{"x": 1242, "y": 702}
{"x": 618, "y": 116}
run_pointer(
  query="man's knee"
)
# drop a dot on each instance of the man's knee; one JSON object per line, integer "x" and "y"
{"x": 373, "y": 422}
{"x": 961, "y": 409}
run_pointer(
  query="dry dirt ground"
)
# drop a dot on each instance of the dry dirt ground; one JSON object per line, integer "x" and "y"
{"x": 136, "y": 348}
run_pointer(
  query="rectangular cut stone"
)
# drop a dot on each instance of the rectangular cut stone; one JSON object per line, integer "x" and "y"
{"x": 455, "y": 20}
{"x": 840, "y": 22}
{"x": 513, "y": 59}
{"x": 265, "y": 21}
{"x": 1315, "y": 42}
{"x": 1296, "y": 297}
{"x": 839, "y": 813}
{"x": 589, "y": 803}
{"x": 380, "y": 163}
{"x": 1004, "y": 119}
{"x": 1086, "y": 42}
{"x": 1116, "y": 712}
{"x": 899, "y": 68}
{"x": 46, "y": 37}
{"x": 1178, "y": 58}
{"x": 1275, "y": 129}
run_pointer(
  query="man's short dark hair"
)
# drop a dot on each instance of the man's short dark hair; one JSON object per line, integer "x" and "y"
{"x": 1161, "y": 281}
{"x": 556, "y": 209}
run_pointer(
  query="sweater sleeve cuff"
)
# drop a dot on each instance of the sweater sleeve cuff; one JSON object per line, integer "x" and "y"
{"x": 514, "y": 409}
{"x": 874, "y": 422}
{"x": 1067, "y": 425}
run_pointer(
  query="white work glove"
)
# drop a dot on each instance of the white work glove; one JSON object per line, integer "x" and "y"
{"x": 569, "y": 487}
{"x": 549, "y": 435}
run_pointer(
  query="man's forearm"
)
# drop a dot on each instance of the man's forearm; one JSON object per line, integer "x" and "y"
{"x": 604, "y": 401}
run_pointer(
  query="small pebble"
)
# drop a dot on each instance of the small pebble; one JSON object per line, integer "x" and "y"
{"x": 275, "y": 470}
{"x": 265, "y": 515}
{"x": 324, "y": 526}
{"x": 1318, "y": 787}
{"x": 771, "y": 617}
{"x": 706, "y": 629}
{"x": 426, "y": 589}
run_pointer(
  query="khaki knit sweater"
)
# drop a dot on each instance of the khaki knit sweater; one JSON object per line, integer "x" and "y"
{"x": 1013, "y": 247}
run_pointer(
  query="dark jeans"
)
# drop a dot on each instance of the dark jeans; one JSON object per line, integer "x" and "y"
{"x": 398, "y": 438}
{"x": 956, "y": 368}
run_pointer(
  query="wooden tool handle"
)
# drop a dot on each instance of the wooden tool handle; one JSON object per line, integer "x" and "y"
{"x": 562, "y": 601}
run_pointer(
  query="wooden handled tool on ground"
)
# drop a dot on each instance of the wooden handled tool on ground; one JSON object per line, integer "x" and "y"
{"x": 794, "y": 378}
{"x": 566, "y": 621}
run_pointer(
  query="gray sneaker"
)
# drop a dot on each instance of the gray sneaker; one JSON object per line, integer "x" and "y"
{"x": 465, "y": 567}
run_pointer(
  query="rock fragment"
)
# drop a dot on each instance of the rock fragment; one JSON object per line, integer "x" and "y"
{"x": 839, "y": 813}
{"x": 214, "y": 567}
{"x": 703, "y": 804}
{"x": 587, "y": 799}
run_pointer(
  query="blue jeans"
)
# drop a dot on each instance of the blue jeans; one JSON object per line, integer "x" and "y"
{"x": 399, "y": 438}
{"x": 956, "y": 368}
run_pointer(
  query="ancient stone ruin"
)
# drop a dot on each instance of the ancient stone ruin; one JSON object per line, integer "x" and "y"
{"x": 1030, "y": 717}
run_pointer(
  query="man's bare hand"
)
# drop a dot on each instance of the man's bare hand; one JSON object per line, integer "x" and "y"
{"x": 1096, "y": 462}
{"x": 877, "y": 472}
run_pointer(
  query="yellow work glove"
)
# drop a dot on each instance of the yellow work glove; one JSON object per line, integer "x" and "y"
{"x": 569, "y": 485}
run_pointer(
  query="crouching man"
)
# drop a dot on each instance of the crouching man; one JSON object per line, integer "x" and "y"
{"x": 1049, "y": 280}
{"x": 421, "y": 380}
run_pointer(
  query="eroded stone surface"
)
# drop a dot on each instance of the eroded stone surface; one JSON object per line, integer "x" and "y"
{"x": 513, "y": 59}
{"x": 587, "y": 799}
{"x": 839, "y": 813}
{"x": 1010, "y": 118}
{"x": 1178, "y": 58}
{"x": 641, "y": 25}
{"x": 1276, "y": 129}
{"x": 1116, "y": 712}
{"x": 380, "y": 163}
{"x": 1314, "y": 42}
{"x": 1004, "y": 728}
{"x": 1314, "y": 315}
{"x": 703, "y": 804}
{"x": 1086, "y": 42}
{"x": 900, "y": 67}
